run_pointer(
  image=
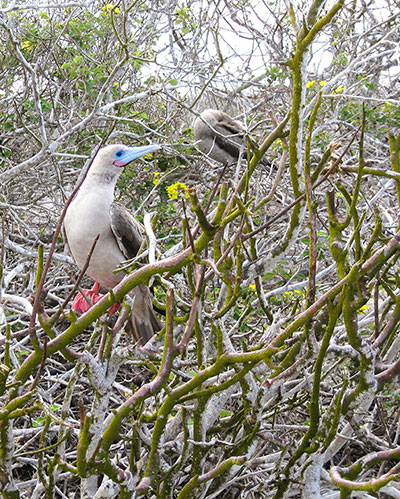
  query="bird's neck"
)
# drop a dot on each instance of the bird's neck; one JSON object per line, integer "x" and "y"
{"x": 102, "y": 178}
{"x": 97, "y": 188}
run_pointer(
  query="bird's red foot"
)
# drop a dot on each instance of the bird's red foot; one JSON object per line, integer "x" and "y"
{"x": 80, "y": 304}
{"x": 114, "y": 308}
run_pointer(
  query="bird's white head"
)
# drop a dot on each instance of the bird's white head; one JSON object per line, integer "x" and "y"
{"x": 111, "y": 160}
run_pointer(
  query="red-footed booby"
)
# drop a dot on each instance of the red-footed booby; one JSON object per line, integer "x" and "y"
{"x": 93, "y": 212}
{"x": 227, "y": 144}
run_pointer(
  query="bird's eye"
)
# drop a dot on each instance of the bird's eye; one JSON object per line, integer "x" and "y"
{"x": 118, "y": 154}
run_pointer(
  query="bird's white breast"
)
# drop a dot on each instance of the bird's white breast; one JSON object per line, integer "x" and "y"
{"x": 87, "y": 216}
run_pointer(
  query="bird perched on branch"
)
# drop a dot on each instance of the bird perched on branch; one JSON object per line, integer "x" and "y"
{"x": 93, "y": 212}
{"x": 220, "y": 137}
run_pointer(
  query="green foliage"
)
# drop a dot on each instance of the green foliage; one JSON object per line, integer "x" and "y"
{"x": 185, "y": 21}
{"x": 259, "y": 361}
{"x": 38, "y": 422}
{"x": 341, "y": 59}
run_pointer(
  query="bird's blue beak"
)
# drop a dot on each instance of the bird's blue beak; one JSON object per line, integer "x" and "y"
{"x": 125, "y": 156}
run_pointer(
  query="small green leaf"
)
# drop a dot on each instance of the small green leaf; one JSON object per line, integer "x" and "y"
{"x": 38, "y": 422}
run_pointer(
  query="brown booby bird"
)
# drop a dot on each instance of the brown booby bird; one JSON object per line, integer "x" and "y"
{"x": 93, "y": 212}
{"x": 220, "y": 136}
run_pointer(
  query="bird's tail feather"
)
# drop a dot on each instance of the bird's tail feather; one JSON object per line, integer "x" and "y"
{"x": 143, "y": 323}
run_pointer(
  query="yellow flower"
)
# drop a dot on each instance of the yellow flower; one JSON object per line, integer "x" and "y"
{"x": 252, "y": 287}
{"x": 26, "y": 45}
{"x": 109, "y": 6}
{"x": 173, "y": 190}
{"x": 337, "y": 91}
{"x": 149, "y": 155}
{"x": 310, "y": 83}
{"x": 156, "y": 177}
{"x": 322, "y": 83}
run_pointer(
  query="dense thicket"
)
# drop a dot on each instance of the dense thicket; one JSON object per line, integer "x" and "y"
{"x": 276, "y": 372}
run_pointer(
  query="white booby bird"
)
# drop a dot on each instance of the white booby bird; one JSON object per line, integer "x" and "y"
{"x": 228, "y": 143}
{"x": 93, "y": 212}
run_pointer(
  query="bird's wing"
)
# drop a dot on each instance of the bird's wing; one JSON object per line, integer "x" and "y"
{"x": 126, "y": 229}
{"x": 229, "y": 126}
{"x": 236, "y": 144}
{"x": 235, "y": 141}
{"x": 143, "y": 322}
